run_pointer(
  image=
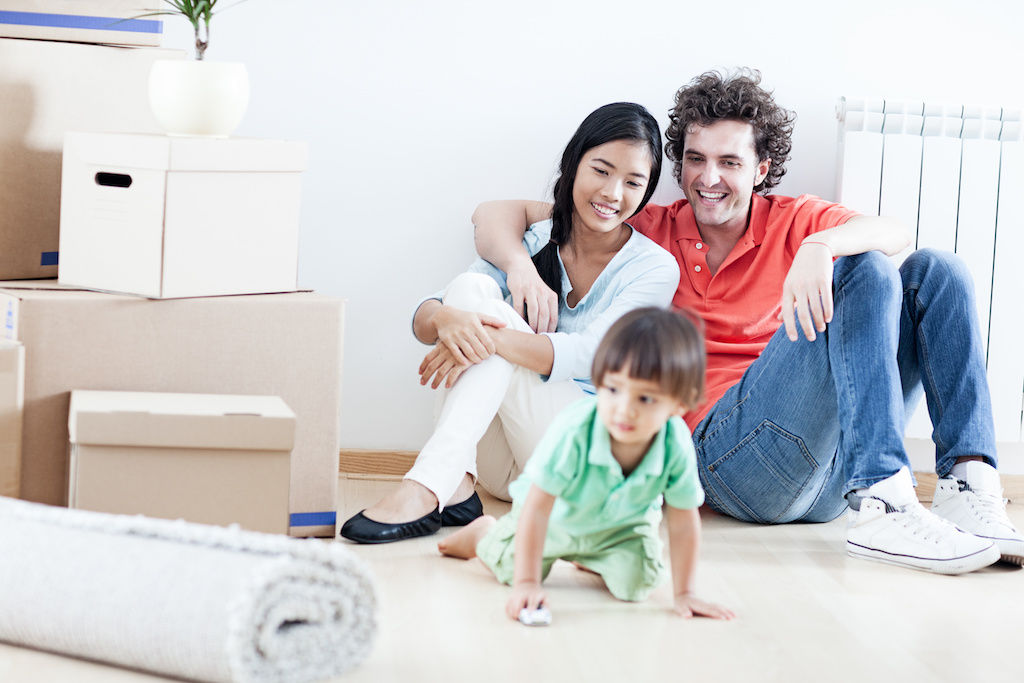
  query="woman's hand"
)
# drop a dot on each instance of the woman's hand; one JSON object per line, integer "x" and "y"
{"x": 529, "y": 291}
{"x": 442, "y": 365}
{"x": 688, "y": 605}
{"x": 526, "y": 594}
{"x": 807, "y": 291}
{"x": 464, "y": 334}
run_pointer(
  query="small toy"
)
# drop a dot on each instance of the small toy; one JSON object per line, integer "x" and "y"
{"x": 535, "y": 617}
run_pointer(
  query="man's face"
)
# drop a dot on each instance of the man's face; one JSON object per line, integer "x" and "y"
{"x": 720, "y": 170}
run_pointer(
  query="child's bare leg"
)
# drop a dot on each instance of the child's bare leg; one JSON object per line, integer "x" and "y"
{"x": 463, "y": 542}
{"x": 584, "y": 569}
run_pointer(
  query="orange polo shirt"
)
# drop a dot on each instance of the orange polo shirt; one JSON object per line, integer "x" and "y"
{"x": 740, "y": 303}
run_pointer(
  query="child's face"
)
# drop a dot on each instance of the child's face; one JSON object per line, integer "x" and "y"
{"x": 634, "y": 410}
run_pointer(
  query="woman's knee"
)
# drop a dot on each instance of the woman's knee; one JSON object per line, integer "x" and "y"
{"x": 469, "y": 291}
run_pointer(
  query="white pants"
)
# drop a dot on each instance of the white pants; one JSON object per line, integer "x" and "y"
{"x": 495, "y": 414}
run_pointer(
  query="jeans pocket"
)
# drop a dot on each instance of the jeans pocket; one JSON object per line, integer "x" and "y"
{"x": 764, "y": 474}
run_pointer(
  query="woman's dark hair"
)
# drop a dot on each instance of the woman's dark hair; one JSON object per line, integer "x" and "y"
{"x": 657, "y": 345}
{"x": 618, "y": 121}
{"x": 713, "y": 97}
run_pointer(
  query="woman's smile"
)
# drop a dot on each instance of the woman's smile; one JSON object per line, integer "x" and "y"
{"x": 611, "y": 179}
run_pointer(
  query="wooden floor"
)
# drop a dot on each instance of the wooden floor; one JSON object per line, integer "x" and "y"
{"x": 807, "y": 612}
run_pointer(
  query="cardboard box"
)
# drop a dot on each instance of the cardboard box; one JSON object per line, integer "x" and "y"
{"x": 213, "y": 459}
{"x": 116, "y": 22}
{"x": 47, "y": 89}
{"x": 286, "y": 345}
{"x": 12, "y": 373}
{"x": 168, "y": 217}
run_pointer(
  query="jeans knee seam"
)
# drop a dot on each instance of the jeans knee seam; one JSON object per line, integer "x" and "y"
{"x": 930, "y": 390}
{"x": 846, "y": 387}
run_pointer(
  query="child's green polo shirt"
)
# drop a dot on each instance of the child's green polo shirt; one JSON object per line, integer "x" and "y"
{"x": 574, "y": 463}
{"x": 601, "y": 519}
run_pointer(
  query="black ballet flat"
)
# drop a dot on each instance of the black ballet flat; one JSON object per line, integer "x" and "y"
{"x": 462, "y": 513}
{"x": 362, "y": 529}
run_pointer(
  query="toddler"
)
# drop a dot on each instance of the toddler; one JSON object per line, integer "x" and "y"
{"x": 592, "y": 492}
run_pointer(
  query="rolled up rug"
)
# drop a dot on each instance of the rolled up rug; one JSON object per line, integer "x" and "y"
{"x": 188, "y": 600}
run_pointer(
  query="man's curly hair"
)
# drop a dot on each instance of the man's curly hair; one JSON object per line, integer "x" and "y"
{"x": 714, "y": 96}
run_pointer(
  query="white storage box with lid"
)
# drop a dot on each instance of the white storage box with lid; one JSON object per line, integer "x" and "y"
{"x": 167, "y": 217}
{"x": 210, "y": 458}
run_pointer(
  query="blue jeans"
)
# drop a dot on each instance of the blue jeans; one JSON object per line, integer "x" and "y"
{"x": 810, "y": 421}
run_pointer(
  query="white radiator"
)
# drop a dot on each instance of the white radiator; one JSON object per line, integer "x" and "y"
{"x": 956, "y": 175}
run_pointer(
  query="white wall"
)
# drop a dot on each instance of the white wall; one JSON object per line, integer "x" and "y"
{"x": 415, "y": 111}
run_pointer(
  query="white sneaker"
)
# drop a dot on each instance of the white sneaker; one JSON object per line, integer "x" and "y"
{"x": 892, "y": 526}
{"x": 976, "y": 505}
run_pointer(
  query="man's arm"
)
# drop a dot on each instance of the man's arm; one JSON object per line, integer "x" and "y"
{"x": 807, "y": 290}
{"x": 498, "y": 234}
{"x": 864, "y": 233}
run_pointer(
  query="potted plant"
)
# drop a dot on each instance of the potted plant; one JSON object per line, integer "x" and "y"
{"x": 197, "y": 97}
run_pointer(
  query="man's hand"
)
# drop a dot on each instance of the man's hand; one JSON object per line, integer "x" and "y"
{"x": 528, "y": 289}
{"x": 807, "y": 291}
{"x": 442, "y": 365}
{"x": 528, "y": 595}
{"x": 463, "y": 333}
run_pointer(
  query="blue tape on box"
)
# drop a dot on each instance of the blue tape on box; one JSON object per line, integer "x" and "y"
{"x": 313, "y": 518}
{"x": 79, "y": 21}
{"x": 48, "y": 258}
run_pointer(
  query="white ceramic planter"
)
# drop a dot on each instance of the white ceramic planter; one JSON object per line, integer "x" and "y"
{"x": 198, "y": 97}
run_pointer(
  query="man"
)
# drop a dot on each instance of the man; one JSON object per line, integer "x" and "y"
{"x": 798, "y": 427}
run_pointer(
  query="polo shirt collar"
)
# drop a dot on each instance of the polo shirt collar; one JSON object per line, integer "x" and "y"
{"x": 652, "y": 464}
{"x": 756, "y": 228}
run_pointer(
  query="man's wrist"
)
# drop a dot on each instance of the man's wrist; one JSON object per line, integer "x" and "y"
{"x": 819, "y": 242}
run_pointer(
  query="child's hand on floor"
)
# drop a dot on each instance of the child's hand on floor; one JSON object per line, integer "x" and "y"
{"x": 528, "y": 594}
{"x": 688, "y": 605}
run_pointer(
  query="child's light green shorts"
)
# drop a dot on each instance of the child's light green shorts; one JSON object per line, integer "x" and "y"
{"x": 629, "y": 559}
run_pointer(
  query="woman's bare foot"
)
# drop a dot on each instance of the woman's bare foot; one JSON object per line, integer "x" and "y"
{"x": 408, "y": 502}
{"x": 463, "y": 542}
{"x": 465, "y": 490}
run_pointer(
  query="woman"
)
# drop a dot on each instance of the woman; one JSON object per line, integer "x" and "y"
{"x": 510, "y": 381}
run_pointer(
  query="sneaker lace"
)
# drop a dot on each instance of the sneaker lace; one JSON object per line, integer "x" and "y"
{"x": 928, "y": 526}
{"x": 989, "y": 507}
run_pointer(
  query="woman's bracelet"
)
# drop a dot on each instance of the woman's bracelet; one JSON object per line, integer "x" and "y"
{"x": 821, "y": 243}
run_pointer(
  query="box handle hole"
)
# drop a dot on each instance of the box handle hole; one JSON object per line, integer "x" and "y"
{"x": 113, "y": 180}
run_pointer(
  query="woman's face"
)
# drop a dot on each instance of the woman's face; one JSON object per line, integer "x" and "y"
{"x": 611, "y": 181}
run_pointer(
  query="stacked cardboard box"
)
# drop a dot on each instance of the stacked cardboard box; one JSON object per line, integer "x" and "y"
{"x": 178, "y": 217}
{"x": 12, "y": 369}
{"x": 115, "y": 22}
{"x": 208, "y": 458}
{"x": 47, "y": 89}
{"x": 284, "y": 345}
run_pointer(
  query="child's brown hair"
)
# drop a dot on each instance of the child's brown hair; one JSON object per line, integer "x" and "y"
{"x": 657, "y": 345}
